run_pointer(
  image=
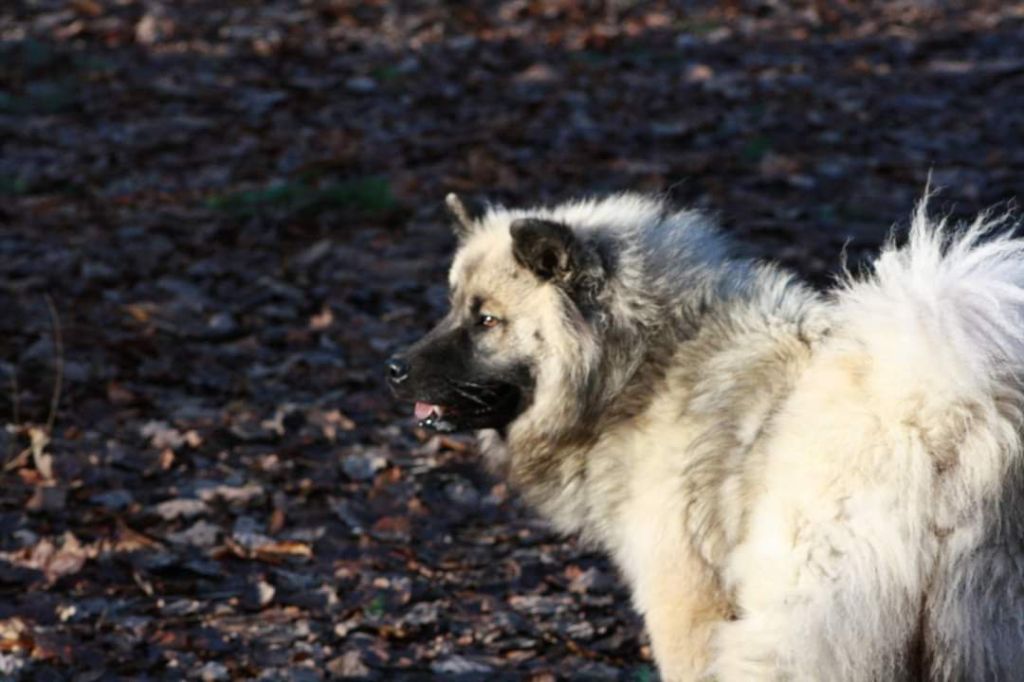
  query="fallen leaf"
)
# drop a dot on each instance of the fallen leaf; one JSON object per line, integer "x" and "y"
{"x": 47, "y": 498}
{"x": 181, "y": 508}
{"x": 52, "y": 560}
{"x": 14, "y": 635}
{"x": 42, "y": 461}
{"x": 89, "y": 8}
{"x": 283, "y": 549}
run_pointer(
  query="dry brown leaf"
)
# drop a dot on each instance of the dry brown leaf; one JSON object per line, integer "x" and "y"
{"x": 90, "y": 8}
{"x": 54, "y": 562}
{"x": 283, "y": 549}
{"x": 128, "y": 540}
{"x": 322, "y": 320}
{"x": 14, "y": 635}
{"x": 277, "y": 519}
{"x": 42, "y": 461}
{"x": 119, "y": 395}
{"x": 193, "y": 439}
{"x": 140, "y": 312}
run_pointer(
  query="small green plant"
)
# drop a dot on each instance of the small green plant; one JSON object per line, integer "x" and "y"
{"x": 364, "y": 195}
{"x": 41, "y": 97}
{"x": 12, "y": 185}
{"x": 643, "y": 674}
{"x": 755, "y": 148}
{"x": 375, "y": 609}
{"x": 386, "y": 74}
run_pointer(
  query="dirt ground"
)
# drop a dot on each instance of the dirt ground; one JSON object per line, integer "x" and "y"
{"x": 217, "y": 219}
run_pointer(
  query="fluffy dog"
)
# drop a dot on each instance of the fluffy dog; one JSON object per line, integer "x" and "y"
{"x": 795, "y": 485}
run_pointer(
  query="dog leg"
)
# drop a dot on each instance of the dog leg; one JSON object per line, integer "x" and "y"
{"x": 673, "y": 586}
{"x": 681, "y": 611}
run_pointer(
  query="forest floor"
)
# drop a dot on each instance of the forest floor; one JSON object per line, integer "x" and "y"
{"x": 218, "y": 218}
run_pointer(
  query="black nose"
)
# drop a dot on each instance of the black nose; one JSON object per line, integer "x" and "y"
{"x": 398, "y": 370}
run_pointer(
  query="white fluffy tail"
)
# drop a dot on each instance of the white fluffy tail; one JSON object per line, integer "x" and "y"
{"x": 942, "y": 318}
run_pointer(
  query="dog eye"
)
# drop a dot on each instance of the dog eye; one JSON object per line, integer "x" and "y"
{"x": 488, "y": 321}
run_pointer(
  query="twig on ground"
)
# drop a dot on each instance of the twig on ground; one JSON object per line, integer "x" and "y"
{"x": 58, "y": 359}
{"x": 15, "y": 413}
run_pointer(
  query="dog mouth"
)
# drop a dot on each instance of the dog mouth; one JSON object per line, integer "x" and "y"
{"x": 424, "y": 411}
{"x": 449, "y": 402}
{"x": 492, "y": 408}
{"x": 431, "y": 415}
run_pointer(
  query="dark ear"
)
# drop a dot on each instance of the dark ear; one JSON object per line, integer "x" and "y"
{"x": 463, "y": 226}
{"x": 555, "y": 254}
{"x": 544, "y": 247}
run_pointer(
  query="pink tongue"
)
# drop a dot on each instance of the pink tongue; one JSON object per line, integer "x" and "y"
{"x": 424, "y": 410}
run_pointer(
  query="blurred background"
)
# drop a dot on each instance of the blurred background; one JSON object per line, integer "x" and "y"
{"x": 217, "y": 218}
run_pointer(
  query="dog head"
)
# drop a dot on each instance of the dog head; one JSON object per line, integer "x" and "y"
{"x": 520, "y": 336}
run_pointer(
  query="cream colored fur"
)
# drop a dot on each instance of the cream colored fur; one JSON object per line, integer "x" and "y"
{"x": 795, "y": 487}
